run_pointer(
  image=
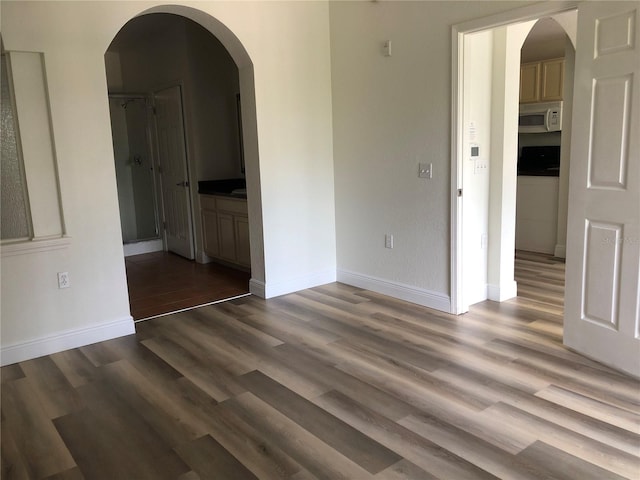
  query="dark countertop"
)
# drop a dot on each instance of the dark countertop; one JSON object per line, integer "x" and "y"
{"x": 227, "y": 187}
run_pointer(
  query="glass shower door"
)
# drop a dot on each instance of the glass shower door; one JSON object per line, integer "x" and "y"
{"x": 134, "y": 168}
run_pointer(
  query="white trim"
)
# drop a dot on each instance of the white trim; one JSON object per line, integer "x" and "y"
{"x": 420, "y": 296}
{"x": 146, "y": 246}
{"x": 66, "y": 340}
{"x": 560, "y": 251}
{"x": 296, "y": 284}
{"x": 517, "y": 15}
{"x": 257, "y": 288}
{"x": 457, "y": 298}
{"x": 34, "y": 245}
{"x": 529, "y": 12}
{"x": 499, "y": 293}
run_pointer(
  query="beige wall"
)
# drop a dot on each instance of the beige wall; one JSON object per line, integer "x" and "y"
{"x": 285, "y": 45}
{"x": 317, "y": 120}
{"x": 389, "y": 114}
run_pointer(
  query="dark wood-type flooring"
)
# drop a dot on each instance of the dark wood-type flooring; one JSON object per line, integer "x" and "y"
{"x": 331, "y": 383}
{"x": 162, "y": 282}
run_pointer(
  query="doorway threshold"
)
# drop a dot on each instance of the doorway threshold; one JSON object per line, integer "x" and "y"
{"x": 192, "y": 308}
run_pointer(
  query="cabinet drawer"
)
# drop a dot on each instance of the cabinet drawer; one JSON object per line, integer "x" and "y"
{"x": 231, "y": 205}
{"x": 207, "y": 202}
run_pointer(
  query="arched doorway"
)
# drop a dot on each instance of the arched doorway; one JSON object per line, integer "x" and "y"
{"x": 176, "y": 84}
{"x": 543, "y": 162}
{"x": 489, "y": 125}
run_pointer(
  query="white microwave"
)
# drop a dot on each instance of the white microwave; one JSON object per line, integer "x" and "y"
{"x": 540, "y": 117}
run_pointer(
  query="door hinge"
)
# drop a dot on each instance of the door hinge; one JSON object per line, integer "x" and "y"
{"x": 159, "y": 168}
{"x": 164, "y": 225}
{"x": 459, "y": 192}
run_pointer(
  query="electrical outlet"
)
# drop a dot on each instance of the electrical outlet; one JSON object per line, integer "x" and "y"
{"x": 388, "y": 241}
{"x": 425, "y": 170}
{"x": 63, "y": 280}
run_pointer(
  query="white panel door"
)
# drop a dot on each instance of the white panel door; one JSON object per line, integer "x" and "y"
{"x": 174, "y": 173}
{"x": 603, "y": 244}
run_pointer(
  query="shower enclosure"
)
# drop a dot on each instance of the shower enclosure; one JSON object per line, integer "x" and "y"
{"x": 131, "y": 129}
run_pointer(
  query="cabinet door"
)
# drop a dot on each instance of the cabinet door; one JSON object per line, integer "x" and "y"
{"x": 226, "y": 237}
{"x": 552, "y": 80}
{"x": 210, "y": 232}
{"x": 529, "y": 82}
{"x": 243, "y": 250}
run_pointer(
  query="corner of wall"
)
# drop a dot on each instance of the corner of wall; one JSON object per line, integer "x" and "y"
{"x": 560, "y": 251}
{"x": 502, "y": 292}
{"x": 295, "y": 284}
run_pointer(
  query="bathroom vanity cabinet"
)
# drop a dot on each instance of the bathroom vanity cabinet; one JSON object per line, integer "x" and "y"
{"x": 225, "y": 229}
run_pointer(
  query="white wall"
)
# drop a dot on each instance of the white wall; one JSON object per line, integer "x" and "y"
{"x": 390, "y": 113}
{"x": 537, "y": 218}
{"x": 477, "y": 121}
{"x": 504, "y": 154}
{"x": 290, "y": 190}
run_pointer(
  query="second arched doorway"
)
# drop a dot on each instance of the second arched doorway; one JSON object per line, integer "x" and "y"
{"x": 176, "y": 121}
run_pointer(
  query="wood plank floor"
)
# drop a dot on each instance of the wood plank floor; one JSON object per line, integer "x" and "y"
{"x": 162, "y": 282}
{"x": 330, "y": 383}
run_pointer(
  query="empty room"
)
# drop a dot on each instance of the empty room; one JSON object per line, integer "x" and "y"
{"x": 352, "y": 174}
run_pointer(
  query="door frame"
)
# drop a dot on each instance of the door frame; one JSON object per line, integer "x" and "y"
{"x": 530, "y": 12}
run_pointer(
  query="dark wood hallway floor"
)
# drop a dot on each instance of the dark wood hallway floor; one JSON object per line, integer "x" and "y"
{"x": 162, "y": 282}
{"x": 332, "y": 382}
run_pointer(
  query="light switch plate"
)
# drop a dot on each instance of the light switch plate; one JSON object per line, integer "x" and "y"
{"x": 481, "y": 165}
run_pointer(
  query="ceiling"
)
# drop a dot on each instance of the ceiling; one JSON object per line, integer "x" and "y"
{"x": 144, "y": 27}
{"x": 547, "y": 39}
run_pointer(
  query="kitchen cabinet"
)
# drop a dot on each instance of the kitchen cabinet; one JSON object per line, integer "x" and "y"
{"x": 529, "y": 82}
{"x": 225, "y": 229}
{"x": 542, "y": 81}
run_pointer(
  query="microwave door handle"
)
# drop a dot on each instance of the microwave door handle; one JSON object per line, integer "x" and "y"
{"x": 547, "y": 120}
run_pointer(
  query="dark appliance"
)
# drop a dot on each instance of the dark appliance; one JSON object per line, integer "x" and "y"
{"x": 540, "y": 161}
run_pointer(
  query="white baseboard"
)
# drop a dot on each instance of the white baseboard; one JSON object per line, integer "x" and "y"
{"x": 560, "y": 251}
{"x": 257, "y": 288}
{"x": 139, "y": 248}
{"x": 66, "y": 340}
{"x": 275, "y": 289}
{"x": 420, "y": 296}
{"x": 500, "y": 293}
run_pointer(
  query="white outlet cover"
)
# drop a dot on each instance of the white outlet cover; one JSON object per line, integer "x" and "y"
{"x": 63, "y": 280}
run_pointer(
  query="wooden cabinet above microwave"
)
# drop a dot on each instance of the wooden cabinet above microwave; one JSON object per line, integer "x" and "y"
{"x": 542, "y": 81}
